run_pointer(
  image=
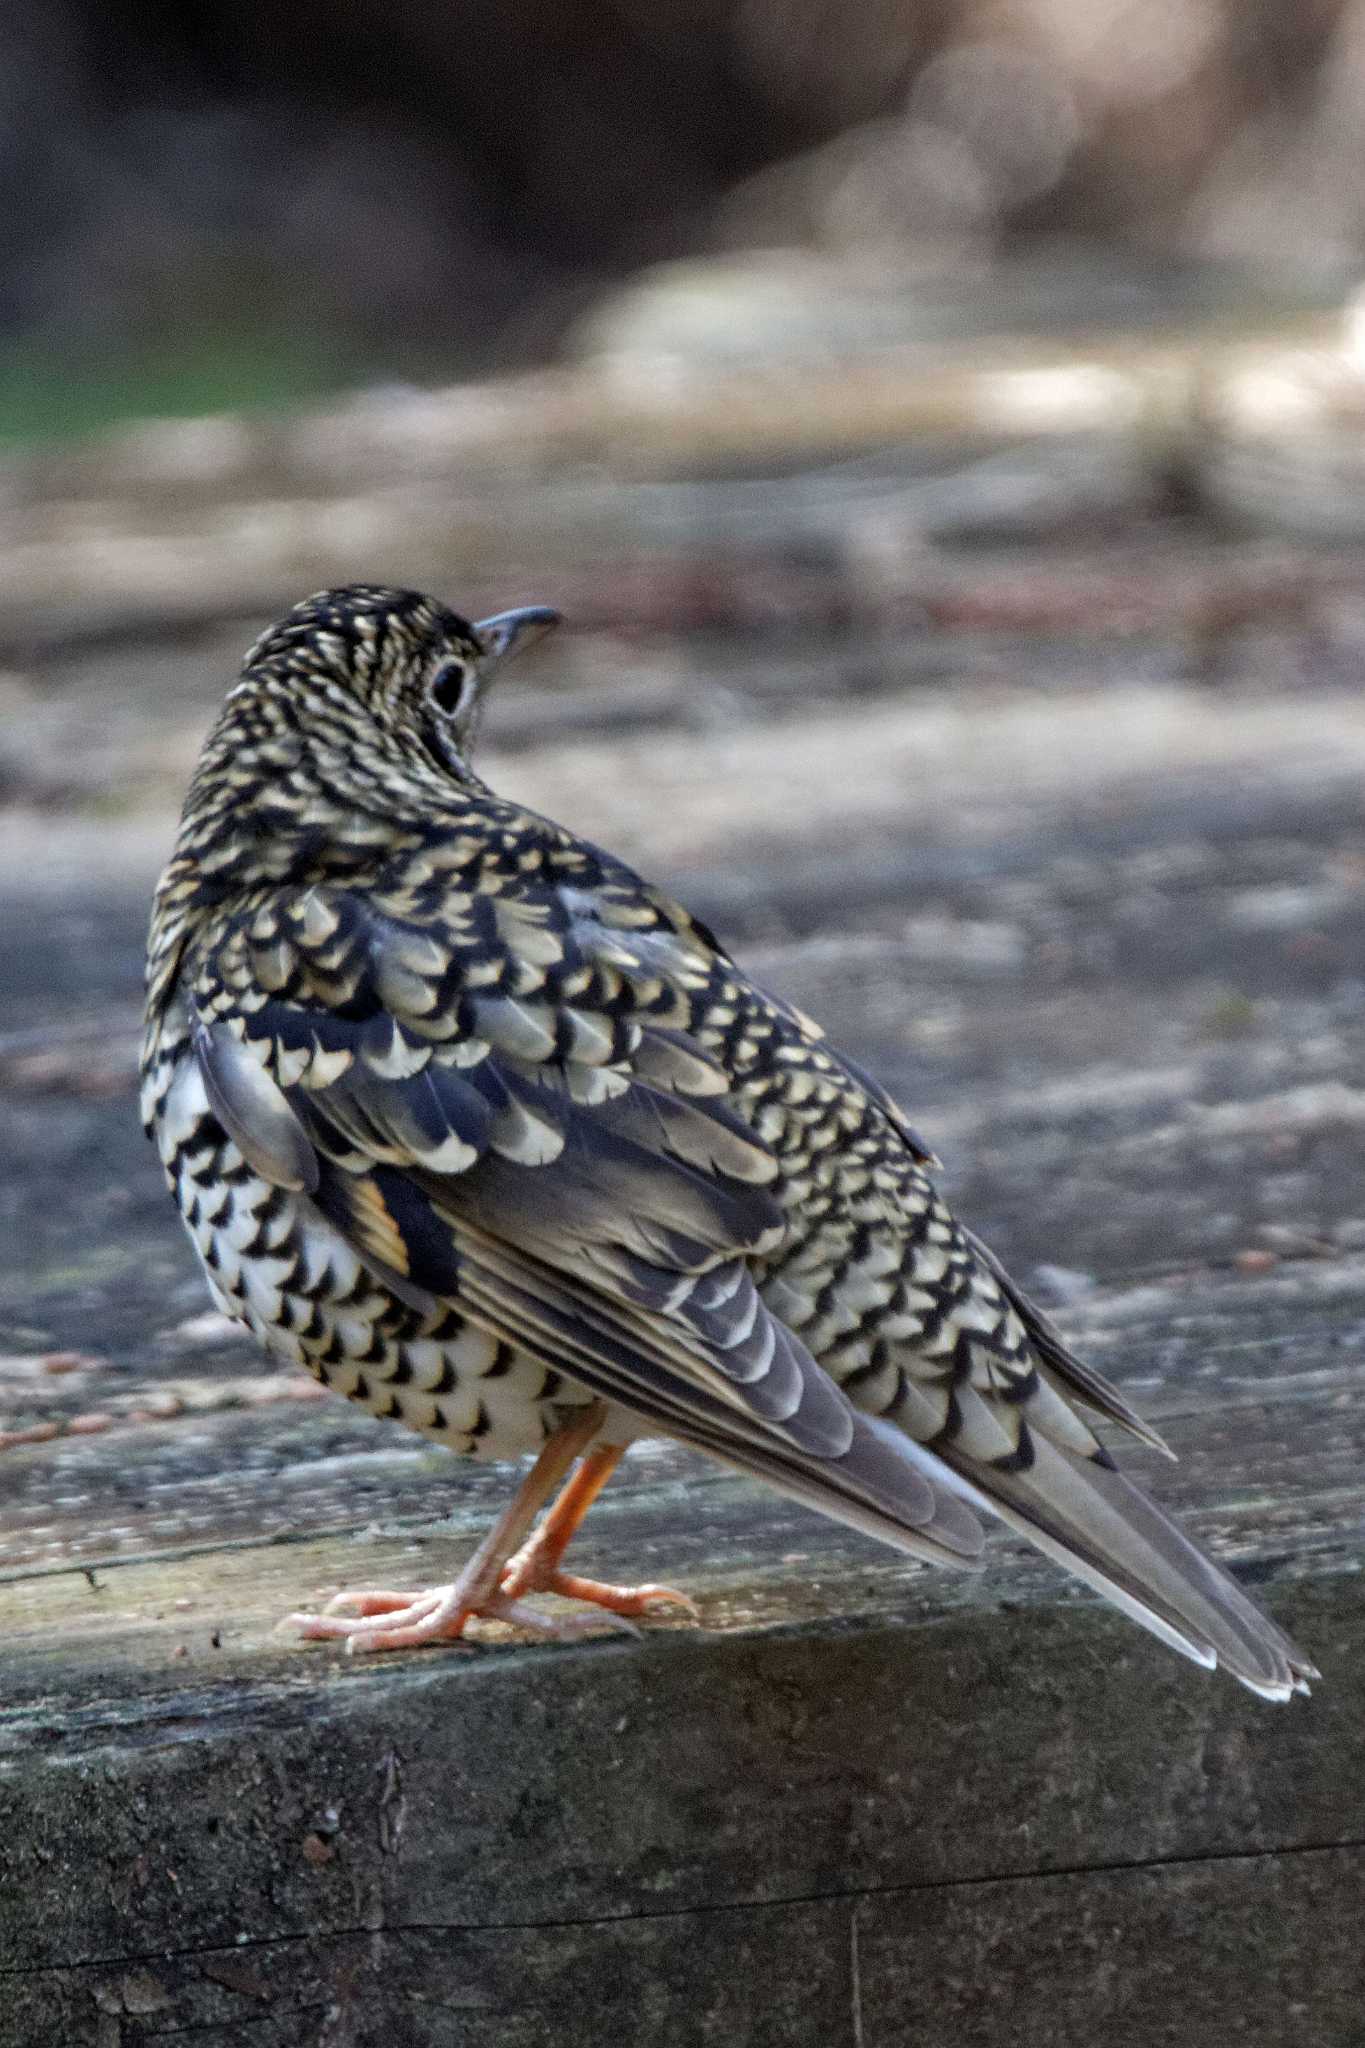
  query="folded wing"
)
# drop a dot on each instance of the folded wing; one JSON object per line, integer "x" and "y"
{"x": 503, "y": 1103}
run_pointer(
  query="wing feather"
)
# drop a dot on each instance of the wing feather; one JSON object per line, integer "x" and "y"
{"x": 576, "y": 1175}
{"x": 252, "y": 1108}
{"x": 1063, "y": 1369}
{"x": 603, "y": 1229}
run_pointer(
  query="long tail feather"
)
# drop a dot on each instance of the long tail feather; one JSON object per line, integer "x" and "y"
{"x": 1087, "y": 1516}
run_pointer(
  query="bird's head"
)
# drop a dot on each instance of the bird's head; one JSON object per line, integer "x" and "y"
{"x": 412, "y": 669}
{"x": 352, "y": 722}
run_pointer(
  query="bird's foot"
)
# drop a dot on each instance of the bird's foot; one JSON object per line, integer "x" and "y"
{"x": 438, "y": 1614}
{"x": 494, "y": 1583}
{"x": 535, "y": 1569}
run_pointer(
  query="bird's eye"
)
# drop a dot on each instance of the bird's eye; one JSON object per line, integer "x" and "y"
{"x": 449, "y": 684}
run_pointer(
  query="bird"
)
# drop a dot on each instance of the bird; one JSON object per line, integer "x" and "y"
{"x": 494, "y": 1137}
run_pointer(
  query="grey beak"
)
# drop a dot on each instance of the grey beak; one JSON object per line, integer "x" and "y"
{"x": 512, "y": 632}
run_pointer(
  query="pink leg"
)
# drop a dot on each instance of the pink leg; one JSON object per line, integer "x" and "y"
{"x": 535, "y": 1568}
{"x": 439, "y": 1614}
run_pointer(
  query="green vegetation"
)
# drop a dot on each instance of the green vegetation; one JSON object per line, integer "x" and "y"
{"x": 61, "y": 394}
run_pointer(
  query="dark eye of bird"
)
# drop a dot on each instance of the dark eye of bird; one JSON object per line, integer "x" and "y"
{"x": 448, "y": 685}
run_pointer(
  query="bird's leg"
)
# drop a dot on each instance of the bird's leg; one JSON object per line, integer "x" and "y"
{"x": 439, "y": 1614}
{"x": 535, "y": 1567}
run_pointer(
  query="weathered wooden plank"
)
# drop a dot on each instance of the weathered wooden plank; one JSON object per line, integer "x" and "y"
{"x": 1142, "y": 1958}
{"x": 972, "y": 1766}
{"x": 1130, "y": 1018}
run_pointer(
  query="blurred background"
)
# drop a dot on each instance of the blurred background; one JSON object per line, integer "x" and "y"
{"x": 223, "y": 200}
{"x": 228, "y": 212}
{"x": 984, "y": 269}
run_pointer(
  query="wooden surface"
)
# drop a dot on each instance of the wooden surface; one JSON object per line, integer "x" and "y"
{"x": 1106, "y": 944}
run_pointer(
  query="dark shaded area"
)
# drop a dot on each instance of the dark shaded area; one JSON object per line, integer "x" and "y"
{"x": 388, "y": 188}
{"x": 393, "y": 176}
{"x": 392, "y": 1853}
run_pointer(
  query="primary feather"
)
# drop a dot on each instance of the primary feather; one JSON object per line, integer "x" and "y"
{"x": 479, "y": 1126}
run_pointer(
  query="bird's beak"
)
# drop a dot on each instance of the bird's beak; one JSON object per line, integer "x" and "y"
{"x": 512, "y": 632}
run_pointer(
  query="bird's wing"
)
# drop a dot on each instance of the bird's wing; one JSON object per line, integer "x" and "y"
{"x": 508, "y": 1111}
{"x": 502, "y": 1101}
{"x": 1066, "y": 1372}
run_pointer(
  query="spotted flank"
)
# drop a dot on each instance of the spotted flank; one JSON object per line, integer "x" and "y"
{"x": 480, "y": 1129}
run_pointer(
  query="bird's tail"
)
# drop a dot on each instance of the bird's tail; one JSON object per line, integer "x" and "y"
{"x": 1082, "y": 1512}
